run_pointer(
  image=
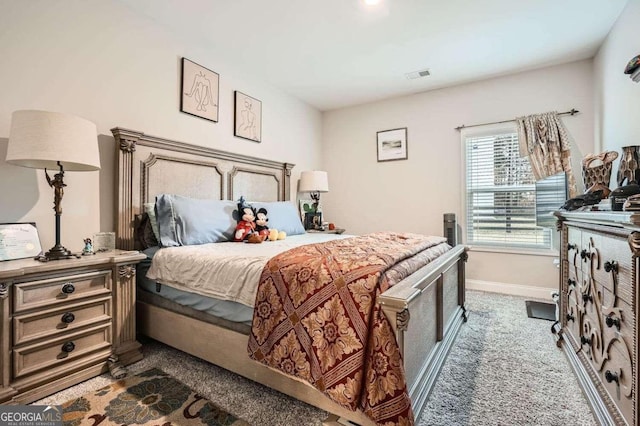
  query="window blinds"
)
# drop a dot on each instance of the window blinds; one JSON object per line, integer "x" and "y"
{"x": 501, "y": 196}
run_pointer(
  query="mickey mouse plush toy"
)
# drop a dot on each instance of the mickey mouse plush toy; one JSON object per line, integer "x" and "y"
{"x": 246, "y": 221}
{"x": 261, "y": 223}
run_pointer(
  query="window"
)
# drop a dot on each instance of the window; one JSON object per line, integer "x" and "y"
{"x": 501, "y": 194}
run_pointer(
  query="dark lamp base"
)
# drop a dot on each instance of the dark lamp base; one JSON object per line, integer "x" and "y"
{"x": 57, "y": 252}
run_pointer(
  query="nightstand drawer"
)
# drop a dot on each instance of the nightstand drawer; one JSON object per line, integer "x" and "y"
{"x": 36, "y": 294}
{"x": 67, "y": 348}
{"x": 29, "y": 327}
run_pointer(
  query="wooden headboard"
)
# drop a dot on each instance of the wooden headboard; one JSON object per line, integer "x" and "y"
{"x": 149, "y": 166}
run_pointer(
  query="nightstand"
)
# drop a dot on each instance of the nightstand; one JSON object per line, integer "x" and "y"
{"x": 61, "y": 320}
{"x": 326, "y": 231}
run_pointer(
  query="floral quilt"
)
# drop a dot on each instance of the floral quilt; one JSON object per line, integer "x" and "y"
{"x": 316, "y": 318}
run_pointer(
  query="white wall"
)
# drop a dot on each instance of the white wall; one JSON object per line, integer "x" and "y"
{"x": 412, "y": 195}
{"x": 617, "y": 97}
{"x": 99, "y": 60}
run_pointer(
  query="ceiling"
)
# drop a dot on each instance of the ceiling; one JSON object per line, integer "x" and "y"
{"x": 337, "y": 53}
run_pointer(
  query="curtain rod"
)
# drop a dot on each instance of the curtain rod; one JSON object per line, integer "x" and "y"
{"x": 572, "y": 112}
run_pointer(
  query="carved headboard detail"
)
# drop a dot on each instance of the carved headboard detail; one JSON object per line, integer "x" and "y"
{"x": 149, "y": 165}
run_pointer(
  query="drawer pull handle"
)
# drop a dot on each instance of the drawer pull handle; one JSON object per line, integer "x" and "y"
{"x": 585, "y": 340}
{"x": 611, "y": 266}
{"x": 611, "y": 321}
{"x": 584, "y": 254}
{"x": 571, "y": 247}
{"x": 68, "y": 288}
{"x": 571, "y": 283}
{"x": 611, "y": 377}
{"x": 586, "y": 298}
{"x": 68, "y": 318}
{"x": 571, "y": 318}
{"x": 68, "y": 347}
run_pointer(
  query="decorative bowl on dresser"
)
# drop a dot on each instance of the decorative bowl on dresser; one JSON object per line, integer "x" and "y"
{"x": 60, "y": 321}
{"x": 598, "y": 324}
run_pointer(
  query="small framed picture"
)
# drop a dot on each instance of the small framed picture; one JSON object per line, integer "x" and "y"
{"x": 104, "y": 241}
{"x": 313, "y": 220}
{"x": 247, "y": 118}
{"x": 199, "y": 91}
{"x": 392, "y": 144}
{"x": 306, "y": 205}
{"x": 19, "y": 241}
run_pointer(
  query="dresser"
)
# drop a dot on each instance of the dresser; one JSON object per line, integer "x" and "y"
{"x": 598, "y": 324}
{"x": 62, "y": 320}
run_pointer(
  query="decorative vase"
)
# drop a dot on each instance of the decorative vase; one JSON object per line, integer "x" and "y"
{"x": 629, "y": 169}
{"x": 596, "y": 171}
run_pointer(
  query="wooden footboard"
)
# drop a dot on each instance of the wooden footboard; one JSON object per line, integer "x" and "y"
{"x": 426, "y": 310}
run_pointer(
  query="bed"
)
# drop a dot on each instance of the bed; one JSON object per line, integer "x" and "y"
{"x": 425, "y": 310}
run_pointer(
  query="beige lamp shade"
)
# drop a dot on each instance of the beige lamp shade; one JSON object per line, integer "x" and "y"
{"x": 314, "y": 181}
{"x": 41, "y": 139}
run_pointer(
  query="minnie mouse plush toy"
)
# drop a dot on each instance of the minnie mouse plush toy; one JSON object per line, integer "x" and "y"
{"x": 246, "y": 223}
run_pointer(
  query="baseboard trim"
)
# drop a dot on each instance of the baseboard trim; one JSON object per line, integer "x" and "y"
{"x": 542, "y": 293}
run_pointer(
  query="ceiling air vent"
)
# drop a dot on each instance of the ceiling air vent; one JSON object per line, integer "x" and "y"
{"x": 417, "y": 74}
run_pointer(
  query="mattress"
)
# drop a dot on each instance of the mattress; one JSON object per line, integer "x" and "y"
{"x": 225, "y": 271}
{"x": 228, "y": 313}
{"x": 178, "y": 297}
{"x": 149, "y": 291}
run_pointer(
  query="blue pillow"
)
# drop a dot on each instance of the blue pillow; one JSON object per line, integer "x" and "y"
{"x": 184, "y": 221}
{"x": 283, "y": 216}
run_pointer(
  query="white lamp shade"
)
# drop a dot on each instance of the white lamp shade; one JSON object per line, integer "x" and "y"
{"x": 39, "y": 139}
{"x": 314, "y": 181}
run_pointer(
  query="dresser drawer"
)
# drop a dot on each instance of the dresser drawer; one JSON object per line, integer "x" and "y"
{"x": 574, "y": 245}
{"x": 45, "y": 292}
{"x": 614, "y": 252}
{"x": 593, "y": 346}
{"x": 49, "y": 323}
{"x": 64, "y": 349}
{"x": 621, "y": 325}
{"x": 619, "y": 391}
{"x": 574, "y": 321}
{"x": 574, "y": 283}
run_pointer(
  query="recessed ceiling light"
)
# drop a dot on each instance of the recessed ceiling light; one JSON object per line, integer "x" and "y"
{"x": 371, "y": 2}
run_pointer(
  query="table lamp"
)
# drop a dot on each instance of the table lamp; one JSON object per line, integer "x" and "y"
{"x": 44, "y": 140}
{"x": 314, "y": 182}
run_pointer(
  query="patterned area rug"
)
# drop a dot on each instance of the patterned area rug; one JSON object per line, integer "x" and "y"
{"x": 148, "y": 398}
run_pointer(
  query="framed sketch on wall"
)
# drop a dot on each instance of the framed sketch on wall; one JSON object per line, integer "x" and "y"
{"x": 199, "y": 91}
{"x": 247, "y": 118}
{"x": 392, "y": 144}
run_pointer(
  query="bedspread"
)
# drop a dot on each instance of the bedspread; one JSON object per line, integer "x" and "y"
{"x": 316, "y": 318}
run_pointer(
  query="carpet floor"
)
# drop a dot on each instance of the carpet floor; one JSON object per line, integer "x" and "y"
{"x": 504, "y": 369}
